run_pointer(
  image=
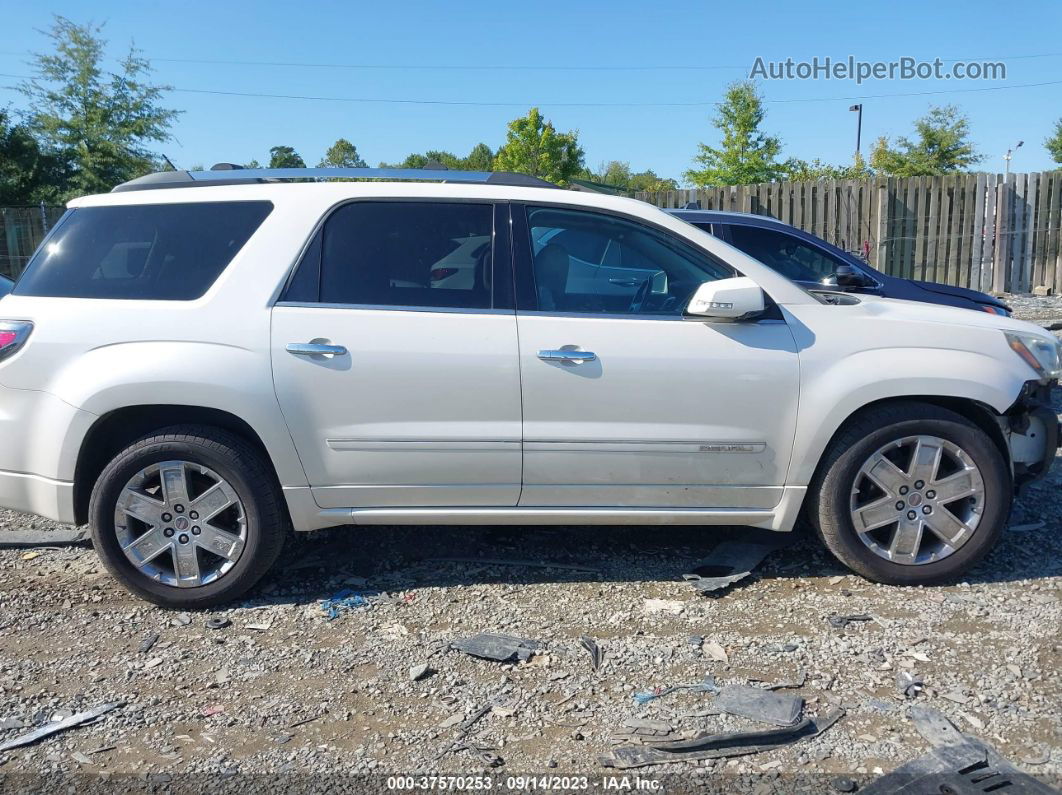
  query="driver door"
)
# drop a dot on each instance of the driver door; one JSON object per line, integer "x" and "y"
{"x": 625, "y": 402}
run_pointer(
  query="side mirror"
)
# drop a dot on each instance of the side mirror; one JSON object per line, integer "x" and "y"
{"x": 738, "y": 298}
{"x": 847, "y": 276}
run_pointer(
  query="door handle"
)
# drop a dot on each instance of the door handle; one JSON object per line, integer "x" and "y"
{"x": 315, "y": 349}
{"x": 575, "y": 357}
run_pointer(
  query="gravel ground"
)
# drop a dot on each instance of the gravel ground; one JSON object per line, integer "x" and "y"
{"x": 283, "y": 695}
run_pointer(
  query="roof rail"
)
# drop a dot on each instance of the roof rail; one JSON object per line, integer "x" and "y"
{"x": 227, "y": 174}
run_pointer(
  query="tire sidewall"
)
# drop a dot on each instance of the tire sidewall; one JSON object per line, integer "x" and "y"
{"x": 101, "y": 515}
{"x": 994, "y": 474}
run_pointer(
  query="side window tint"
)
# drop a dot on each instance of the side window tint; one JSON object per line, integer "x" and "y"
{"x": 422, "y": 254}
{"x": 156, "y": 252}
{"x": 784, "y": 253}
{"x": 305, "y": 284}
{"x": 589, "y": 262}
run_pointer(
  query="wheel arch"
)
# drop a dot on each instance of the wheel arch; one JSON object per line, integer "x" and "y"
{"x": 980, "y": 414}
{"x": 117, "y": 429}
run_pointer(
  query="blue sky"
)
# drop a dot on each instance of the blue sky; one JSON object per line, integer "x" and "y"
{"x": 721, "y": 39}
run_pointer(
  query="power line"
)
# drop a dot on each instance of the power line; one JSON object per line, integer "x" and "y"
{"x": 522, "y": 67}
{"x": 476, "y": 103}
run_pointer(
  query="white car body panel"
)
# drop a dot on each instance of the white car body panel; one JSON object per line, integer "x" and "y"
{"x": 426, "y": 425}
{"x": 423, "y": 410}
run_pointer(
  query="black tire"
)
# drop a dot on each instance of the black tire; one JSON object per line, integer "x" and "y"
{"x": 241, "y": 465}
{"x": 828, "y": 506}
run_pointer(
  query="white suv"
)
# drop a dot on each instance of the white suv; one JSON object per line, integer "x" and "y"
{"x": 198, "y": 362}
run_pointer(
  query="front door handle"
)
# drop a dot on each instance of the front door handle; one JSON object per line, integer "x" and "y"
{"x": 575, "y": 357}
{"x": 315, "y": 349}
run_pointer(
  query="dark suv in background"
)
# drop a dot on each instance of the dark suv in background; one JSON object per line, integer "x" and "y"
{"x": 815, "y": 264}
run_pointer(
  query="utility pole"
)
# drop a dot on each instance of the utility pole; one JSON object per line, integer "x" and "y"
{"x": 1006, "y": 159}
{"x": 859, "y": 125}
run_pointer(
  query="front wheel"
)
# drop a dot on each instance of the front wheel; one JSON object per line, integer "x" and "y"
{"x": 188, "y": 517}
{"x": 911, "y": 494}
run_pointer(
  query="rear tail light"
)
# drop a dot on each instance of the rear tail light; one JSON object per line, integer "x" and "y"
{"x": 441, "y": 273}
{"x": 13, "y": 335}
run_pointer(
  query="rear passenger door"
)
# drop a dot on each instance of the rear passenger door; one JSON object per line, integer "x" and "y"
{"x": 395, "y": 357}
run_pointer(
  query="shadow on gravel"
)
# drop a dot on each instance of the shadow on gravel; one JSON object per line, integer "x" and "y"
{"x": 407, "y": 558}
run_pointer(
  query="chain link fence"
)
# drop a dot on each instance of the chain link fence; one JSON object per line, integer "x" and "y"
{"x": 21, "y": 230}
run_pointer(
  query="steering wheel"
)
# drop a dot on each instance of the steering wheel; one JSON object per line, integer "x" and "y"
{"x": 639, "y": 297}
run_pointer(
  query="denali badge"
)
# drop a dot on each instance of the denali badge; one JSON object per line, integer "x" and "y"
{"x": 733, "y": 447}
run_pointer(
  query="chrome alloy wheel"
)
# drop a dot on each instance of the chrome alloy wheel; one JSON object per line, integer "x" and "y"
{"x": 180, "y": 523}
{"x": 917, "y": 500}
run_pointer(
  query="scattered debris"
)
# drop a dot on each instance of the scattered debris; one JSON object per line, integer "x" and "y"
{"x": 347, "y": 599}
{"x": 304, "y": 721}
{"x": 264, "y": 627}
{"x": 418, "y": 672}
{"x": 217, "y": 623}
{"x": 154, "y": 662}
{"x": 14, "y": 539}
{"x": 712, "y": 746}
{"x": 670, "y": 606}
{"x": 840, "y": 622}
{"x": 958, "y": 763}
{"x": 54, "y": 727}
{"x": 757, "y": 704}
{"x": 706, "y": 685}
{"x": 909, "y": 683}
{"x": 8, "y": 724}
{"x": 183, "y": 619}
{"x": 148, "y": 642}
{"x": 715, "y": 652}
{"x": 538, "y": 564}
{"x": 843, "y": 784}
{"x": 788, "y": 684}
{"x": 500, "y": 648}
{"x": 732, "y": 561}
{"x": 596, "y": 655}
{"x": 641, "y": 730}
{"x": 1026, "y": 528}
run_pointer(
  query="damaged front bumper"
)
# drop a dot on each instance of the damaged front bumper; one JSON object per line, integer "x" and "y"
{"x": 1033, "y": 433}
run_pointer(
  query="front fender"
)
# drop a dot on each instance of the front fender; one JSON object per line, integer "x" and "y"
{"x": 833, "y": 391}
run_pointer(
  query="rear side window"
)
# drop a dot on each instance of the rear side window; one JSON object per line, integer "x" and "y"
{"x": 160, "y": 252}
{"x": 410, "y": 254}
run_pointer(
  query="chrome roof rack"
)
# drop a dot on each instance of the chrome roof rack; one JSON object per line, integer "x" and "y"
{"x": 229, "y": 174}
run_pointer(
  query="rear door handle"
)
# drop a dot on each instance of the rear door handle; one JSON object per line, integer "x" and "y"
{"x": 315, "y": 349}
{"x": 575, "y": 357}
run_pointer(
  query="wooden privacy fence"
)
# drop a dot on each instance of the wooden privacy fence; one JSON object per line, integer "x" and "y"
{"x": 985, "y": 231}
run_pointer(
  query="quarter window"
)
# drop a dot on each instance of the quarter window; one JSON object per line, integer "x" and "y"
{"x": 592, "y": 263}
{"x": 160, "y": 252}
{"x": 419, "y": 254}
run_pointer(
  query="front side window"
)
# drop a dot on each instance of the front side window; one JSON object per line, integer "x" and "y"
{"x": 410, "y": 254}
{"x": 161, "y": 252}
{"x": 593, "y": 263}
{"x": 786, "y": 254}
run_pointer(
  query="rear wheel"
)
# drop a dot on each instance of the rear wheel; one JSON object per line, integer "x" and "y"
{"x": 911, "y": 494}
{"x": 188, "y": 517}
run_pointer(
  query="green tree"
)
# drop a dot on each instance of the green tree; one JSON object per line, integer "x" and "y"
{"x": 285, "y": 157}
{"x": 27, "y": 175}
{"x": 342, "y": 154}
{"x": 100, "y": 124}
{"x": 481, "y": 158}
{"x": 1054, "y": 143}
{"x": 803, "y": 171}
{"x": 648, "y": 180}
{"x": 747, "y": 155}
{"x": 941, "y": 146}
{"x": 533, "y": 146}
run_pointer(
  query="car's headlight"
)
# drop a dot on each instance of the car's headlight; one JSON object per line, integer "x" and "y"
{"x": 1040, "y": 353}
